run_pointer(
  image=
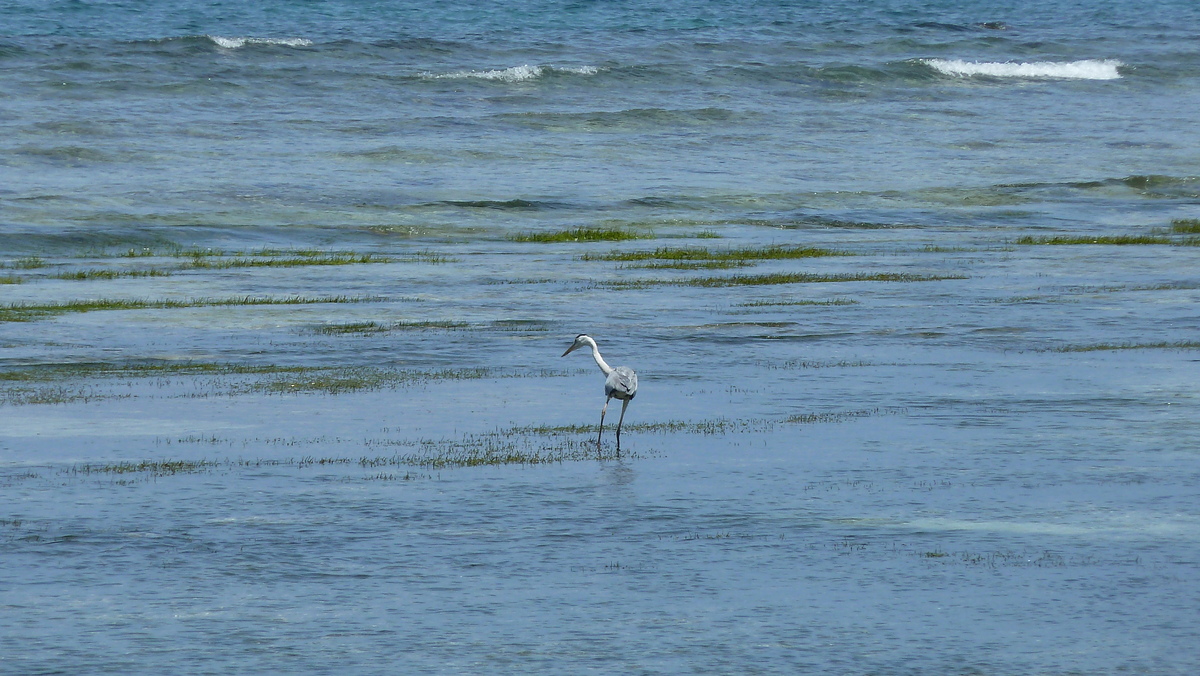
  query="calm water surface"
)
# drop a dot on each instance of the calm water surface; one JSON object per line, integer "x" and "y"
{"x": 280, "y": 385}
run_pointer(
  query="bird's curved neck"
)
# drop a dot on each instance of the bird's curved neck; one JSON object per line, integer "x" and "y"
{"x": 599, "y": 360}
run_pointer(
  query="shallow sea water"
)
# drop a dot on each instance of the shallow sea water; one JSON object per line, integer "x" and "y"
{"x": 329, "y": 431}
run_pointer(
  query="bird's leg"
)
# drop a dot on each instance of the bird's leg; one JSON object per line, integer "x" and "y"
{"x": 602, "y": 412}
{"x": 624, "y": 405}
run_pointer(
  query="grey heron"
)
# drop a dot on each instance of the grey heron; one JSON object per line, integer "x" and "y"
{"x": 620, "y": 383}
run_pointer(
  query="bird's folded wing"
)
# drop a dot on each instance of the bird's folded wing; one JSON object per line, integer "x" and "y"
{"x": 623, "y": 380}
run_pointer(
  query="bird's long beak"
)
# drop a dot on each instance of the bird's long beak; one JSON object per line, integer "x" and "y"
{"x": 569, "y": 349}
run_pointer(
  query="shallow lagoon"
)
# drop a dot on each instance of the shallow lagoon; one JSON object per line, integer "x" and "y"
{"x": 992, "y": 471}
{"x": 281, "y": 312}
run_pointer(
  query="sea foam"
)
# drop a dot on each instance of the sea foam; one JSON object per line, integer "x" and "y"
{"x": 1090, "y": 69}
{"x": 515, "y": 74}
{"x": 235, "y": 43}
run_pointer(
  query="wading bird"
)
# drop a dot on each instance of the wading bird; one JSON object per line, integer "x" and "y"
{"x": 620, "y": 383}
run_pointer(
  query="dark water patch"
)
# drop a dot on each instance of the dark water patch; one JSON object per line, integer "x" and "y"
{"x": 638, "y": 119}
{"x": 961, "y": 27}
{"x": 1091, "y": 289}
{"x": 738, "y": 325}
{"x": 1164, "y": 185}
{"x": 139, "y": 219}
{"x": 72, "y": 242}
{"x": 395, "y": 153}
{"x": 993, "y": 196}
{"x": 782, "y": 278}
{"x": 68, "y": 155}
{"x": 1018, "y": 300}
{"x": 837, "y": 81}
{"x": 855, "y": 74}
{"x": 944, "y": 27}
{"x": 817, "y": 221}
{"x": 10, "y": 50}
{"x": 774, "y": 252}
{"x": 1115, "y": 240}
{"x": 1153, "y": 186}
{"x": 421, "y": 45}
{"x": 1150, "y": 145}
{"x": 372, "y": 328}
{"x": 654, "y": 202}
{"x": 582, "y": 234}
{"x": 505, "y": 205}
{"x": 1108, "y": 347}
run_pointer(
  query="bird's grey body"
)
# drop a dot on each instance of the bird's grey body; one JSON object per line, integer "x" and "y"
{"x": 620, "y": 383}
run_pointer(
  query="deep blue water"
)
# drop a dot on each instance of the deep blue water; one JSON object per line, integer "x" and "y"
{"x": 986, "y": 465}
{"x": 280, "y": 115}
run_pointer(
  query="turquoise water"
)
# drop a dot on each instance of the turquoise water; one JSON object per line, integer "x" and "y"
{"x": 280, "y": 376}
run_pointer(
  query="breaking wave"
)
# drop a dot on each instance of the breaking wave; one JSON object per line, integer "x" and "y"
{"x": 236, "y": 43}
{"x": 1090, "y": 69}
{"x": 514, "y": 74}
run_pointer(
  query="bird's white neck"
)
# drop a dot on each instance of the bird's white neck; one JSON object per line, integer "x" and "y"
{"x": 599, "y": 360}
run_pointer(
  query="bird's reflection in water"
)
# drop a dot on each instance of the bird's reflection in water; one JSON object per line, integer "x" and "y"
{"x": 617, "y": 473}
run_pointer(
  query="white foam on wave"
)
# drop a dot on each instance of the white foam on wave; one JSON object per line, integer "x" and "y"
{"x": 236, "y": 43}
{"x": 1090, "y": 69}
{"x": 514, "y": 74}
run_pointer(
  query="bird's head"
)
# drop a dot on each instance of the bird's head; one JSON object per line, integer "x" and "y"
{"x": 582, "y": 340}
